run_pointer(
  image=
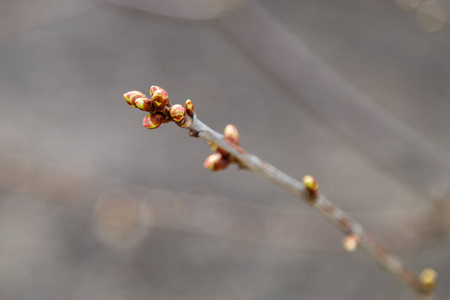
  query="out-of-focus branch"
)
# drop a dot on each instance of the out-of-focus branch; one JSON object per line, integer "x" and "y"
{"x": 291, "y": 61}
{"x": 229, "y": 151}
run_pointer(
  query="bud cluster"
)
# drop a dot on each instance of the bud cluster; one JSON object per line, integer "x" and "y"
{"x": 159, "y": 107}
{"x": 221, "y": 159}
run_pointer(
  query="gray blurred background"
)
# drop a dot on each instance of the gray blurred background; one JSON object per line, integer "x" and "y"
{"x": 94, "y": 206}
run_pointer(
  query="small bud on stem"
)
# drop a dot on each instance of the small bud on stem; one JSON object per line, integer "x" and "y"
{"x": 312, "y": 186}
{"x": 189, "y": 107}
{"x": 160, "y": 98}
{"x": 132, "y": 96}
{"x": 152, "y": 121}
{"x": 153, "y": 89}
{"x": 144, "y": 104}
{"x": 177, "y": 112}
{"x": 350, "y": 242}
{"x": 231, "y": 134}
{"x": 428, "y": 280}
{"x": 216, "y": 162}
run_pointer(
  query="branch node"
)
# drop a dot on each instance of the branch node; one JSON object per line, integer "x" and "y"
{"x": 194, "y": 133}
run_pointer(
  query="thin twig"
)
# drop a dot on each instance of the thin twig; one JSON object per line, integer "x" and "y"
{"x": 349, "y": 226}
{"x": 291, "y": 61}
{"x": 227, "y": 146}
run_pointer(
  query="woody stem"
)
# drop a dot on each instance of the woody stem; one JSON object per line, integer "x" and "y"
{"x": 337, "y": 216}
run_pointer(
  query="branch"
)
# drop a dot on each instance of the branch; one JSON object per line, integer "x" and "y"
{"x": 336, "y": 99}
{"x": 228, "y": 151}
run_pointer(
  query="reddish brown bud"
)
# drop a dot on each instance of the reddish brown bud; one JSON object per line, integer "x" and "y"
{"x": 144, "y": 104}
{"x": 152, "y": 121}
{"x": 177, "y": 112}
{"x": 216, "y": 162}
{"x": 231, "y": 134}
{"x": 153, "y": 89}
{"x": 132, "y": 96}
{"x": 189, "y": 107}
{"x": 160, "y": 99}
{"x": 164, "y": 120}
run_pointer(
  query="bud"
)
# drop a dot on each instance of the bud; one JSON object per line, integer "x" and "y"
{"x": 311, "y": 185}
{"x": 350, "y": 242}
{"x": 153, "y": 89}
{"x": 144, "y": 104}
{"x": 428, "y": 280}
{"x": 231, "y": 134}
{"x": 152, "y": 121}
{"x": 160, "y": 99}
{"x": 189, "y": 107}
{"x": 177, "y": 112}
{"x": 216, "y": 162}
{"x": 131, "y": 97}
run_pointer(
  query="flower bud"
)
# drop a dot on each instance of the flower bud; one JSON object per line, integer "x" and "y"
{"x": 160, "y": 99}
{"x": 189, "y": 107}
{"x": 311, "y": 185}
{"x": 350, "y": 242}
{"x": 144, "y": 104}
{"x": 153, "y": 89}
{"x": 216, "y": 162}
{"x": 152, "y": 121}
{"x": 177, "y": 112}
{"x": 428, "y": 280}
{"x": 231, "y": 134}
{"x": 131, "y": 97}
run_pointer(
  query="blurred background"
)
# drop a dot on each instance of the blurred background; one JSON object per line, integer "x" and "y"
{"x": 94, "y": 206}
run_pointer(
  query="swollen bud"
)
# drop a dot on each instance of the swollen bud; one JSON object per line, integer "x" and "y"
{"x": 152, "y": 121}
{"x": 216, "y": 162}
{"x": 132, "y": 96}
{"x": 189, "y": 107}
{"x": 153, "y": 89}
{"x": 231, "y": 134}
{"x": 144, "y": 104}
{"x": 312, "y": 186}
{"x": 428, "y": 280}
{"x": 351, "y": 242}
{"x": 160, "y": 98}
{"x": 177, "y": 112}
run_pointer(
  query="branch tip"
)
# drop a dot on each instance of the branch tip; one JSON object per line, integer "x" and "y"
{"x": 132, "y": 96}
